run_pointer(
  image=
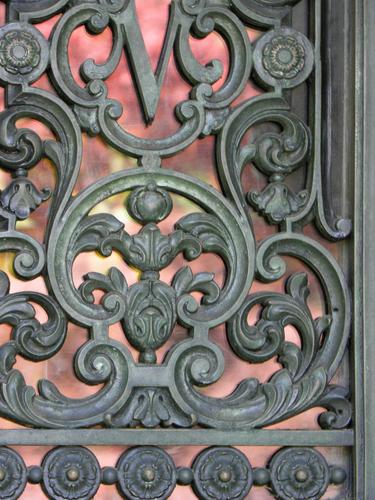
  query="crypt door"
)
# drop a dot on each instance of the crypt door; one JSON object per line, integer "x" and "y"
{"x": 183, "y": 249}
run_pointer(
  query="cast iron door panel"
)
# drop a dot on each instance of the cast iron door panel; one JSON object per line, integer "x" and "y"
{"x": 142, "y": 401}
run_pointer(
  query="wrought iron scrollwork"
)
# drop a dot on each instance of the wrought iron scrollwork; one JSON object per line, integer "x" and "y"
{"x": 144, "y": 392}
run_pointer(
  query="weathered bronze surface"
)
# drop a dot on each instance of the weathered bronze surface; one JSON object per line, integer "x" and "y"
{"x": 143, "y": 393}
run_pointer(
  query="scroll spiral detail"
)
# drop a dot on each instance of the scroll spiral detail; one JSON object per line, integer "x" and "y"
{"x": 262, "y": 133}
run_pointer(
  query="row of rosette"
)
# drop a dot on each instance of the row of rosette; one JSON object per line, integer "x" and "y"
{"x": 149, "y": 472}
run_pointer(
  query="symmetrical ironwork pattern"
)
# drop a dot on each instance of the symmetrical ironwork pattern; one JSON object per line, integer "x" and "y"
{"x": 149, "y": 472}
{"x": 143, "y": 392}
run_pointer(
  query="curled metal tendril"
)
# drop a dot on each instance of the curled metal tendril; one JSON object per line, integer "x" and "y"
{"x": 150, "y": 309}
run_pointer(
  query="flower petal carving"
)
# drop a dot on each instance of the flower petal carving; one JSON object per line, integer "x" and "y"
{"x": 299, "y": 473}
{"x": 71, "y": 473}
{"x": 222, "y": 473}
{"x": 21, "y": 197}
{"x": 145, "y": 473}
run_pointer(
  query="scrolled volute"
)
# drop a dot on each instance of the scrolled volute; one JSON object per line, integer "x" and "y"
{"x": 266, "y": 338}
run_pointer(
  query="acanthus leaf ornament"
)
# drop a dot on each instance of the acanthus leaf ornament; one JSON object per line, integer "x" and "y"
{"x": 21, "y": 197}
{"x": 149, "y": 390}
{"x": 276, "y": 202}
{"x": 151, "y": 407}
{"x": 266, "y": 338}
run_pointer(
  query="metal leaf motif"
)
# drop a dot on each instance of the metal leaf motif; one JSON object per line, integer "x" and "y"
{"x": 266, "y": 339}
{"x": 151, "y": 408}
{"x": 21, "y": 197}
{"x": 166, "y": 390}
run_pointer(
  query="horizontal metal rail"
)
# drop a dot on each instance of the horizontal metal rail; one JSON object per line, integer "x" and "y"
{"x": 196, "y": 437}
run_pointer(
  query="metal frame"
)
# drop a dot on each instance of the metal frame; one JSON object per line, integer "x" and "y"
{"x": 364, "y": 350}
{"x": 354, "y": 147}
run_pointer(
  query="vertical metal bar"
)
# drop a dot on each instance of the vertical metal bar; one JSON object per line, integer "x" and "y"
{"x": 364, "y": 285}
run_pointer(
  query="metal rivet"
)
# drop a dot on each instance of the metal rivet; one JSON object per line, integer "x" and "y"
{"x": 225, "y": 476}
{"x": 72, "y": 474}
{"x": 148, "y": 474}
{"x": 284, "y": 56}
{"x": 301, "y": 476}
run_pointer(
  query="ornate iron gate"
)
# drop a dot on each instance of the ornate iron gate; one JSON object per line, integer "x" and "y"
{"x": 290, "y": 133}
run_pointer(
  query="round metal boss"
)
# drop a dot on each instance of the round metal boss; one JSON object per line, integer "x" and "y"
{"x": 222, "y": 473}
{"x": 71, "y": 472}
{"x": 24, "y": 53}
{"x": 299, "y": 473}
{"x": 146, "y": 472}
{"x": 13, "y": 474}
{"x": 283, "y": 58}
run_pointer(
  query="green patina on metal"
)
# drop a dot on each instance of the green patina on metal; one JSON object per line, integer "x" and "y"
{"x": 144, "y": 393}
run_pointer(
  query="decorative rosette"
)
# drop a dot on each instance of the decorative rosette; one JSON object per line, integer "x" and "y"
{"x": 299, "y": 473}
{"x": 13, "y": 474}
{"x": 222, "y": 474}
{"x": 24, "y": 53}
{"x": 146, "y": 472}
{"x": 19, "y": 52}
{"x": 71, "y": 473}
{"x": 283, "y": 58}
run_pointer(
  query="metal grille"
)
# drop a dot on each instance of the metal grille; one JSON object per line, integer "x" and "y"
{"x": 141, "y": 402}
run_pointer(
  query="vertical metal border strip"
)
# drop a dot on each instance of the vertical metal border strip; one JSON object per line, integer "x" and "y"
{"x": 364, "y": 263}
